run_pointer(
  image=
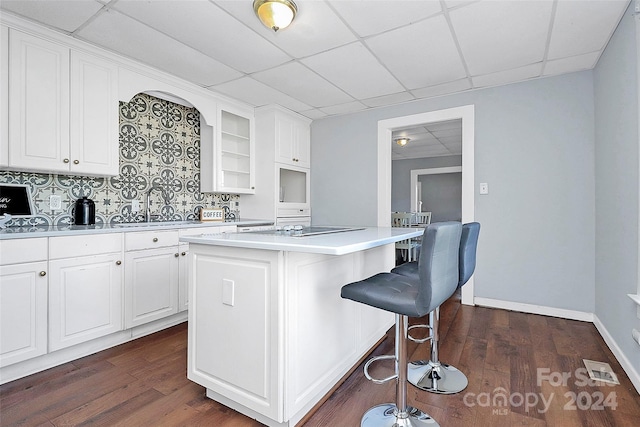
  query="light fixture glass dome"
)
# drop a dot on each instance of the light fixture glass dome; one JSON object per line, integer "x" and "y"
{"x": 275, "y": 14}
{"x": 402, "y": 141}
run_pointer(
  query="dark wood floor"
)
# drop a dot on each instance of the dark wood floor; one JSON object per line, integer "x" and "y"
{"x": 143, "y": 383}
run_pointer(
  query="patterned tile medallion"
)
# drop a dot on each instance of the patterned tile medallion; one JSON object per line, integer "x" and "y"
{"x": 159, "y": 147}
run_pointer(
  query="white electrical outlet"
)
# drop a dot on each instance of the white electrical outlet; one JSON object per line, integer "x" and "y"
{"x": 135, "y": 206}
{"x": 55, "y": 202}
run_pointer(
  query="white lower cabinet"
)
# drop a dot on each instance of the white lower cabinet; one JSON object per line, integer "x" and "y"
{"x": 183, "y": 286}
{"x": 23, "y": 299}
{"x": 23, "y": 312}
{"x": 85, "y": 288}
{"x": 85, "y": 299}
{"x": 151, "y": 284}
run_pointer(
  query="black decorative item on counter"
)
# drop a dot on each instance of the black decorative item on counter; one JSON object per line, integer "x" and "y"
{"x": 84, "y": 212}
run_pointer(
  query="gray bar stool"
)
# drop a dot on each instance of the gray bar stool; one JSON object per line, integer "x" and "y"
{"x": 405, "y": 296}
{"x": 433, "y": 375}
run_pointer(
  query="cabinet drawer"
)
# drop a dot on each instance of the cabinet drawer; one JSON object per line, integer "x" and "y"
{"x": 150, "y": 239}
{"x": 16, "y": 251}
{"x": 91, "y": 244}
{"x": 207, "y": 230}
{"x": 286, "y": 212}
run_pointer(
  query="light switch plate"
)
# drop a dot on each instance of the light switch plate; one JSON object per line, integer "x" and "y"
{"x": 228, "y": 292}
{"x": 484, "y": 188}
{"x": 135, "y": 206}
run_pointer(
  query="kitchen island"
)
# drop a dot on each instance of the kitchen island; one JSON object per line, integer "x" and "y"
{"x": 269, "y": 335}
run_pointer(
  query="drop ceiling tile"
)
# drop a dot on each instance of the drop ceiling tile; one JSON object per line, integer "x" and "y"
{"x": 395, "y": 98}
{"x": 349, "y": 107}
{"x": 345, "y": 67}
{"x": 410, "y": 53}
{"x": 509, "y": 76}
{"x": 584, "y": 26}
{"x": 501, "y": 35}
{"x": 120, "y": 33}
{"x": 313, "y": 114}
{"x": 443, "y": 89}
{"x": 208, "y": 29}
{"x": 67, "y": 15}
{"x": 571, "y": 64}
{"x": 258, "y": 94}
{"x": 445, "y": 125}
{"x": 316, "y": 27}
{"x": 296, "y": 80}
{"x": 374, "y": 17}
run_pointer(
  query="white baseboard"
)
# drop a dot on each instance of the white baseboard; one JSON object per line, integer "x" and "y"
{"x": 534, "y": 309}
{"x": 631, "y": 372}
{"x": 572, "y": 315}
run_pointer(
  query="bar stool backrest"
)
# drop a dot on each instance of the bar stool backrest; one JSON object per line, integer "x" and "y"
{"x": 438, "y": 265}
{"x": 468, "y": 248}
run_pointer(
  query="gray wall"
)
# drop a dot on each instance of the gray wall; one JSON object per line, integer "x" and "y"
{"x": 401, "y": 179}
{"x": 616, "y": 169}
{"x": 534, "y": 145}
{"x": 442, "y": 196}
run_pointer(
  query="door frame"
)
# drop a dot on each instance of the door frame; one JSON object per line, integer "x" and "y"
{"x": 385, "y": 129}
{"x": 415, "y": 173}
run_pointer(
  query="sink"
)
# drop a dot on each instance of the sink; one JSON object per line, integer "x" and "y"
{"x": 155, "y": 224}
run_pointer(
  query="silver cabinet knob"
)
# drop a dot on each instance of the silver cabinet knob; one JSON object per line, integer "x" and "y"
{"x": 43, "y": 273}
{"x": 155, "y": 239}
{"x": 118, "y": 262}
{"x": 75, "y": 162}
{"x": 176, "y": 255}
{"x": 184, "y": 253}
{"x": 65, "y": 161}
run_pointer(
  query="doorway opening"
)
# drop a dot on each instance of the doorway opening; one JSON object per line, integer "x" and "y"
{"x": 385, "y": 130}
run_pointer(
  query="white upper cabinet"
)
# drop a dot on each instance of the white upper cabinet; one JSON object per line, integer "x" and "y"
{"x": 292, "y": 139}
{"x": 94, "y": 116}
{"x": 228, "y": 155}
{"x": 4, "y": 98}
{"x": 39, "y": 104}
{"x": 64, "y": 109}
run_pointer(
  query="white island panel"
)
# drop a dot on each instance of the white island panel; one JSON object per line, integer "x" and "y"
{"x": 269, "y": 334}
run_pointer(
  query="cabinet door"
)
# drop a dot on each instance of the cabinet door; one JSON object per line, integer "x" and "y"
{"x": 302, "y": 144}
{"x": 151, "y": 285}
{"x": 85, "y": 299}
{"x": 4, "y": 96}
{"x": 284, "y": 140}
{"x": 23, "y": 312}
{"x": 39, "y": 104}
{"x": 94, "y": 116}
{"x": 183, "y": 289}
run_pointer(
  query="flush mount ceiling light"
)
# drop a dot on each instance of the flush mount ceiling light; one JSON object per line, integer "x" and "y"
{"x": 402, "y": 141}
{"x": 275, "y": 14}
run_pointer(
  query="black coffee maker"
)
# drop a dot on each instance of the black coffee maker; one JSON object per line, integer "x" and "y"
{"x": 84, "y": 212}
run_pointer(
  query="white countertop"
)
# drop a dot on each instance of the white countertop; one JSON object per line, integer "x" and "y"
{"x": 66, "y": 230}
{"x": 329, "y": 244}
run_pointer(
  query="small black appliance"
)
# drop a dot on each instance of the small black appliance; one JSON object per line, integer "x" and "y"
{"x": 84, "y": 212}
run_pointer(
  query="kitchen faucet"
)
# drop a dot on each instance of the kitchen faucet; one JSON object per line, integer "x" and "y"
{"x": 147, "y": 216}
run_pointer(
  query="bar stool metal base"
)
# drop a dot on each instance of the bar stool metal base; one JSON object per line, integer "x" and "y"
{"x": 436, "y": 378}
{"x": 386, "y": 415}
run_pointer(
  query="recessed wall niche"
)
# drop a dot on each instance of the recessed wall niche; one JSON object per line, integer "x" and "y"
{"x": 159, "y": 146}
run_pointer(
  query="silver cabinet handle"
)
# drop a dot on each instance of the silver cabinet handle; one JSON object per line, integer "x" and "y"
{"x": 118, "y": 262}
{"x": 184, "y": 253}
{"x": 75, "y": 162}
{"x": 65, "y": 161}
{"x": 176, "y": 255}
{"x": 43, "y": 273}
{"x": 155, "y": 239}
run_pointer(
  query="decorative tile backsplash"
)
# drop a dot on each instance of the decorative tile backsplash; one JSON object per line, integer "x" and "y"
{"x": 159, "y": 147}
